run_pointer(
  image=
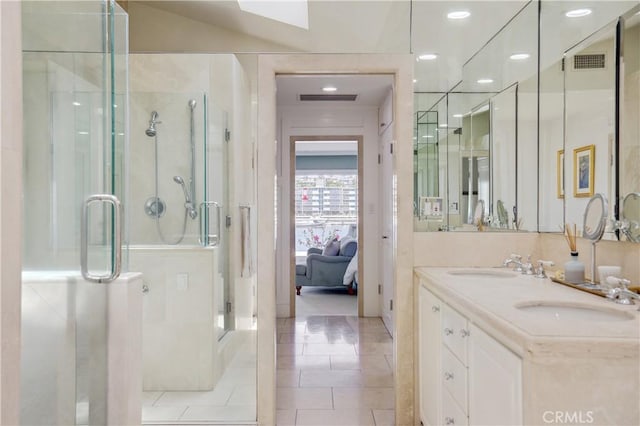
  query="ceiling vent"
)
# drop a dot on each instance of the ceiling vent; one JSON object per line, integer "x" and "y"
{"x": 328, "y": 97}
{"x": 589, "y": 62}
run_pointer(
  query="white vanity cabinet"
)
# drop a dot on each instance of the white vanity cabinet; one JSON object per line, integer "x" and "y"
{"x": 495, "y": 381}
{"x": 429, "y": 349}
{"x": 466, "y": 376}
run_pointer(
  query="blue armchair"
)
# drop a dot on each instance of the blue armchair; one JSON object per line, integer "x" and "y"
{"x": 326, "y": 271}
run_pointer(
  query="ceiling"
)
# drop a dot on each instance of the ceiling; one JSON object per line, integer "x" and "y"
{"x": 371, "y": 89}
{"x": 395, "y": 26}
{"x": 369, "y": 26}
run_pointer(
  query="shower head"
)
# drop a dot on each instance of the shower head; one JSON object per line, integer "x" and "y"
{"x": 151, "y": 131}
{"x": 179, "y": 180}
{"x": 192, "y": 104}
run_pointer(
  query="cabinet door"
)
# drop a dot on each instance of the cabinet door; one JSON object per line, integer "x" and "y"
{"x": 495, "y": 382}
{"x": 455, "y": 332}
{"x": 430, "y": 344}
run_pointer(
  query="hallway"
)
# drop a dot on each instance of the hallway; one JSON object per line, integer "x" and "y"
{"x": 334, "y": 370}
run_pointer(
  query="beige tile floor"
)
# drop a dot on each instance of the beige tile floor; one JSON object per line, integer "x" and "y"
{"x": 232, "y": 401}
{"x": 334, "y": 370}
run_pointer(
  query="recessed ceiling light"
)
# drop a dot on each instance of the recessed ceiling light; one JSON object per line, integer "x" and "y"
{"x": 485, "y": 81}
{"x": 443, "y": 125}
{"x": 578, "y": 13}
{"x": 457, "y": 115}
{"x": 415, "y": 81}
{"x": 329, "y": 89}
{"x": 428, "y": 57}
{"x": 458, "y": 14}
{"x": 519, "y": 56}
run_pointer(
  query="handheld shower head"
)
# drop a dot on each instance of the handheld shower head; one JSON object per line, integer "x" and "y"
{"x": 151, "y": 130}
{"x": 187, "y": 198}
{"x": 180, "y": 181}
{"x": 192, "y": 104}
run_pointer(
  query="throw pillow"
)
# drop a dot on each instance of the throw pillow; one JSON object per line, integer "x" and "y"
{"x": 332, "y": 248}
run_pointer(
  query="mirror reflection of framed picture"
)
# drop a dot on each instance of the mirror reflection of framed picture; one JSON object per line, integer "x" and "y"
{"x": 583, "y": 171}
{"x": 560, "y": 174}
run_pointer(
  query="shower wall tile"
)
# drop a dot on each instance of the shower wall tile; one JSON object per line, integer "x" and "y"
{"x": 168, "y": 73}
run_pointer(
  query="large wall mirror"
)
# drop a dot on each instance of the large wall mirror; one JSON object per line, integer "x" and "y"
{"x": 558, "y": 94}
{"x": 479, "y": 176}
{"x": 589, "y": 109}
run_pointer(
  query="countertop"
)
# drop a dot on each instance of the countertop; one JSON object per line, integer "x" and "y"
{"x": 491, "y": 302}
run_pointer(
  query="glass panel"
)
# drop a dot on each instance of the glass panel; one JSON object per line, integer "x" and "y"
{"x": 188, "y": 120}
{"x": 69, "y": 85}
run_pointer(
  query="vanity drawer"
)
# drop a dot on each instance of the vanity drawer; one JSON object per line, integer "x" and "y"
{"x": 455, "y": 332}
{"x": 454, "y": 378}
{"x": 452, "y": 414}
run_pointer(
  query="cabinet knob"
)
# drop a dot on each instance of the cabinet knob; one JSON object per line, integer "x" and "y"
{"x": 448, "y": 376}
{"x": 449, "y": 421}
{"x": 464, "y": 333}
{"x": 448, "y": 331}
{"x": 435, "y": 308}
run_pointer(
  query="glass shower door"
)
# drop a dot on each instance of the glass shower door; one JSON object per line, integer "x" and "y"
{"x": 74, "y": 79}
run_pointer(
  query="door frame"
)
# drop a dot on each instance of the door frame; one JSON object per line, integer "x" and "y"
{"x": 362, "y": 274}
{"x": 401, "y": 67}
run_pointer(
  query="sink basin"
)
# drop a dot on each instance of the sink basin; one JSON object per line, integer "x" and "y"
{"x": 483, "y": 273}
{"x": 573, "y": 311}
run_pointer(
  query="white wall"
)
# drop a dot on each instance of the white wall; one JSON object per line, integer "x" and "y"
{"x": 337, "y": 121}
{"x": 10, "y": 208}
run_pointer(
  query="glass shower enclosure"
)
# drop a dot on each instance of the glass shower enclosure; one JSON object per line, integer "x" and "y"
{"x": 75, "y": 126}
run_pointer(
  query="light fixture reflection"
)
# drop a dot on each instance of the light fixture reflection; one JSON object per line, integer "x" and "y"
{"x": 458, "y": 14}
{"x": 519, "y": 56}
{"x": 428, "y": 57}
{"x": 578, "y": 13}
{"x": 329, "y": 89}
{"x": 485, "y": 81}
{"x": 457, "y": 115}
{"x": 76, "y": 103}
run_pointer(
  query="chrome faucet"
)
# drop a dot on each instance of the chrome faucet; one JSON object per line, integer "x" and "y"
{"x": 620, "y": 293}
{"x": 539, "y": 271}
{"x": 514, "y": 259}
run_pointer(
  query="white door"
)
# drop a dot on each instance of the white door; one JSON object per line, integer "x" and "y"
{"x": 387, "y": 228}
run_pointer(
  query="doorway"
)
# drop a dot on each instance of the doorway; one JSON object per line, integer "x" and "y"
{"x": 325, "y": 178}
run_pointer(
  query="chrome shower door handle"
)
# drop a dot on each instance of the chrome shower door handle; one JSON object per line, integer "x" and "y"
{"x": 205, "y": 237}
{"x": 116, "y": 266}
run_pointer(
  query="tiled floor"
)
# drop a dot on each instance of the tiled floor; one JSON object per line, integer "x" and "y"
{"x": 334, "y": 370}
{"x": 233, "y": 401}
